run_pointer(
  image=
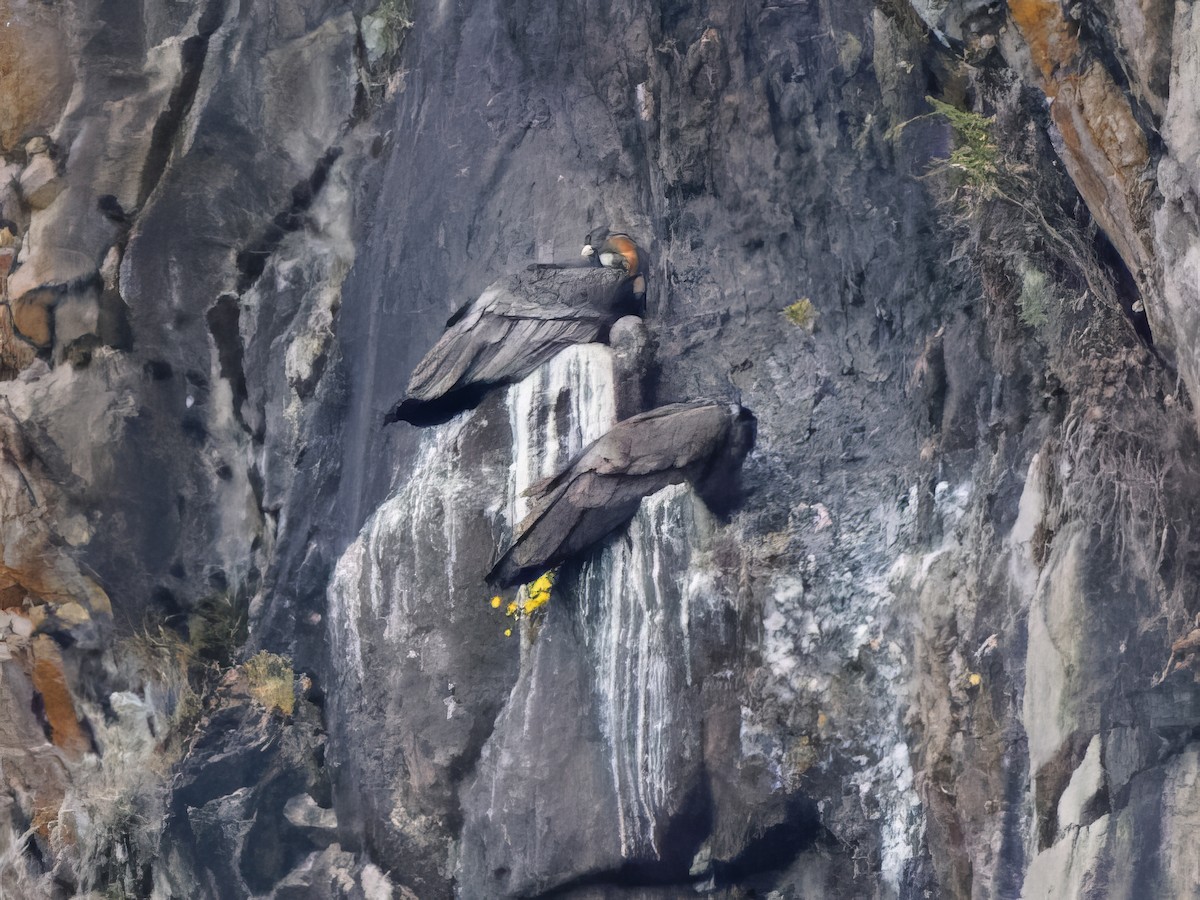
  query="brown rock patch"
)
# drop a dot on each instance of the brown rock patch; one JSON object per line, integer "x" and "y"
{"x": 35, "y": 70}
{"x": 1105, "y": 150}
{"x": 50, "y": 681}
{"x": 31, "y": 316}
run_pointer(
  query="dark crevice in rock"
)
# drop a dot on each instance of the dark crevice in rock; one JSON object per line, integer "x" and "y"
{"x": 628, "y": 877}
{"x": 1097, "y": 806}
{"x": 362, "y": 105}
{"x": 906, "y": 19}
{"x": 192, "y": 56}
{"x": 1125, "y": 286}
{"x": 158, "y": 369}
{"x": 777, "y": 847}
{"x": 278, "y": 846}
{"x": 252, "y": 260}
{"x": 165, "y": 602}
{"x": 30, "y": 845}
{"x": 194, "y": 429}
{"x": 224, "y": 323}
{"x": 678, "y": 844}
{"x": 1052, "y": 780}
{"x": 110, "y": 207}
{"x": 362, "y": 95}
{"x": 426, "y": 413}
{"x": 1011, "y": 871}
{"x": 113, "y": 327}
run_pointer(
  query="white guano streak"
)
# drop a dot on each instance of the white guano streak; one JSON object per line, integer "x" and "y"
{"x": 377, "y": 580}
{"x": 628, "y": 596}
{"x": 381, "y": 576}
{"x": 581, "y": 377}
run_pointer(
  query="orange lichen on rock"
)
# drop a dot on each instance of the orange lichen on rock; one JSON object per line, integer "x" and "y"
{"x": 1052, "y": 38}
{"x": 16, "y": 354}
{"x": 1053, "y": 43}
{"x": 1110, "y": 121}
{"x": 1106, "y": 156}
{"x": 50, "y": 681}
{"x": 1105, "y": 149}
{"x": 44, "y": 815}
{"x": 11, "y": 592}
{"x": 31, "y": 314}
{"x": 55, "y": 581}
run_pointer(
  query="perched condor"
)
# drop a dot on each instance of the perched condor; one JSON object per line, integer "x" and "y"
{"x": 514, "y": 326}
{"x": 702, "y": 442}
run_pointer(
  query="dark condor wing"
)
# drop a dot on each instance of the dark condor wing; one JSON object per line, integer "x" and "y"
{"x": 601, "y": 489}
{"x": 514, "y": 326}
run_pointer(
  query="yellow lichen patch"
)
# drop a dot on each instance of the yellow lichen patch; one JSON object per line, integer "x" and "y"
{"x": 530, "y": 598}
{"x": 538, "y": 593}
{"x": 271, "y": 681}
{"x": 974, "y": 679}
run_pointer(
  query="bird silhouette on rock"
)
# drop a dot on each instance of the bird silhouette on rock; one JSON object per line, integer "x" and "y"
{"x": 516, "y": 324}
{"x": 703, "y": 442}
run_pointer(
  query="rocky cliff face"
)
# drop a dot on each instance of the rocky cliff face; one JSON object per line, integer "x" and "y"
{"x": 942, "y": 645}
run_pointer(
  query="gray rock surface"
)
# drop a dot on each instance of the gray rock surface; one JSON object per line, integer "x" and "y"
{"x": 942, "y": 646}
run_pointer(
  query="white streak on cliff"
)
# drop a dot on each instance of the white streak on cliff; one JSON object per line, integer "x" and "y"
{"x": 554, "y": 413}
{"x": 379, "y": 579}
{"x": 635, "y": 596}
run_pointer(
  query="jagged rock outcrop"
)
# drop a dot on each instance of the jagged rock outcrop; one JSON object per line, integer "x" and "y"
{"x": 942, "y": 646}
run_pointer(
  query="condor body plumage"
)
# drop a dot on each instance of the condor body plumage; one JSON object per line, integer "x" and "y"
{"x": 703, "y": 442}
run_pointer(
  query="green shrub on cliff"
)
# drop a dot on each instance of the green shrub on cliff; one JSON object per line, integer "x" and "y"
{"x": 975, "y": 158}
{"x": 802, "y": 314}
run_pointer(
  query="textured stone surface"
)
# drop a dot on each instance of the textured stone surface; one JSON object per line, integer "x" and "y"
{"x": 36, "y": 72}
{"x": 941, "y": 644}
